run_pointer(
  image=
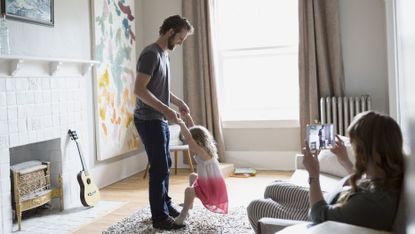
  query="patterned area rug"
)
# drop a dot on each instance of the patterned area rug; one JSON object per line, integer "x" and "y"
{"x": 200, "y": 220}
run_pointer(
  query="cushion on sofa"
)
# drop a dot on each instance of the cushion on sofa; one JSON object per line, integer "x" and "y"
{"x": 329, "y": 163}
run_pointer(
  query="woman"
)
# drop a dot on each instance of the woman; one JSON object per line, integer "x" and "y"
{"x": 372, "y": 198}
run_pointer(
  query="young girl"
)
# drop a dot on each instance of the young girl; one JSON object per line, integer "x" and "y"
{"x": 208, "y": 185}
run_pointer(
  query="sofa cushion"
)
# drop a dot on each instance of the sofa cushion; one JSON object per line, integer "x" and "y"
{"x": 273, "y": 225}
{"x": 330, "y": 165}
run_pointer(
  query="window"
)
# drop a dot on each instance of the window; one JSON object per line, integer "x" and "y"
{"x": 257, "y": 49}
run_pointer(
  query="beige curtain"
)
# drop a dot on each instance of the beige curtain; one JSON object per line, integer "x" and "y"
{"x": 320, "y": 57}
{"x": 200, "y": 91}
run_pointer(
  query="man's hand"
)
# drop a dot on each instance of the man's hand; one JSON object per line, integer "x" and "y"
{"x": 179, "y": 103}
{"x": 183, "y": 107}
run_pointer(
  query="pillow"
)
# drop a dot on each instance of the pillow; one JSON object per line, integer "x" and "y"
{"x": 330, "y": 165}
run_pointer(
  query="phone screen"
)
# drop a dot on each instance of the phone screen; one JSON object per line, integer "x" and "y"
{"x": 320, "y": 136}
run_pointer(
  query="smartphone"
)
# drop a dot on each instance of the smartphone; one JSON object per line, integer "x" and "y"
{"x": 320, "y": 136}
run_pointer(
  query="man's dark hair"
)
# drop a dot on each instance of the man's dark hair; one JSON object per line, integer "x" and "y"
{"x": 177, "y": 23}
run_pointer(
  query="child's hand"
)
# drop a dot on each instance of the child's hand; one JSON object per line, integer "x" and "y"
{"x": 187, "y": 118}
{"x": 184, "y": 114}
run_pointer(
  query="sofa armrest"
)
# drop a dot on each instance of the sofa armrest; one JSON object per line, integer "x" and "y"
{"x": 299, "y": 161}
{"x": 273, "y": 225}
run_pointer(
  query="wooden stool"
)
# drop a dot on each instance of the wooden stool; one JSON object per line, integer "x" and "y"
{"x": 175, "y": 149}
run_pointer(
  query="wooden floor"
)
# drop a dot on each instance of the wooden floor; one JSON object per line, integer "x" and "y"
{"x": 134, "y": 192}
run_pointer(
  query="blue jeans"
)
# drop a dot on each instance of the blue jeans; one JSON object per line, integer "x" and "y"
{"x": 155, "y": 136}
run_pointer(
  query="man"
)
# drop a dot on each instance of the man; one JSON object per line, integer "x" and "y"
{"x": 152, "y": 87}
{"x": 322, "y": 137}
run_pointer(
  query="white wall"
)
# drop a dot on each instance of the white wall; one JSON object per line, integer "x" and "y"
{"x": 406, "y": 56}
{"x": 68, "y": 39}
{"x": 363, "y": 34}
{"x": 155, "y": 11}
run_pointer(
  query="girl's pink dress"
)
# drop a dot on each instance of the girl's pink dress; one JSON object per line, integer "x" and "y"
{"x": 210, "y": 186}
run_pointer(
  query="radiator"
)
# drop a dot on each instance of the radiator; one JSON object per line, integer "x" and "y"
{"x": 340, "y": 110}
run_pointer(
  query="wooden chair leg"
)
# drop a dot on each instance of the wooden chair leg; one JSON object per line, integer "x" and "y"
{"x": 61, "y": 192}
{"x": 145, "y": 172}
{"x": 190, "y": 160}
{"x": 175, "y": 162}
{"x": 19, "y": 216}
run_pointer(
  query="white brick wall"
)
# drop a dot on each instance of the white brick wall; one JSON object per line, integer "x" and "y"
{"x": 3, "y": 100}
{"x": 34, "y": 109}
{"x": 2, "y": 85}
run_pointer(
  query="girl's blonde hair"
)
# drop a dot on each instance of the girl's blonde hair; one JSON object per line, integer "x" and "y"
{"x": 204, "y": 139}
{"x": 377, "y": 138}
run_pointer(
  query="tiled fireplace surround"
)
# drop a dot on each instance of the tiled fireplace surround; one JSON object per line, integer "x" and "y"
{"x": 36, "y": 106}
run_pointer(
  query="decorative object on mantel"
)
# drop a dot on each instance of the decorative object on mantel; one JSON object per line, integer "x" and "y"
{"x": 38, "y": 12}
{"x": 16, "y": 65}
{"x": 31, "y": 187}
{"x": 114, "y": 46}
{"x": 4, "y": 36}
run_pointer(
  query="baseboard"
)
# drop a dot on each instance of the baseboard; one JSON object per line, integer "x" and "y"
{"x": 110, "y": 173}
{"x": 262, "y": 160}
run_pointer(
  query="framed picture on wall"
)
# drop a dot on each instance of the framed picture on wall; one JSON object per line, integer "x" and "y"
{"x": 114, "y": 47}
{"x": 32, "y": 11}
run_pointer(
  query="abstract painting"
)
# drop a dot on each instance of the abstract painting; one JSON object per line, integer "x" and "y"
{"x": 114, "y": 48}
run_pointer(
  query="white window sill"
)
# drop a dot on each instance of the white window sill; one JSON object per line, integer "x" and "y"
{"x": 261, "y": 124}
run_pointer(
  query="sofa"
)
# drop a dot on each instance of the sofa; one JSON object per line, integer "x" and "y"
{"x": 331, "y": 172}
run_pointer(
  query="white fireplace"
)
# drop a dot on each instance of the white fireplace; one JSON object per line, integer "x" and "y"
{"x": 40, "y": 99}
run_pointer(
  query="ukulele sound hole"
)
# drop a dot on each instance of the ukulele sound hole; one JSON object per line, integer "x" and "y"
{"x": 88, "y": 181}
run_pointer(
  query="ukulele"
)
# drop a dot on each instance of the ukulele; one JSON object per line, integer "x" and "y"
{"x": 89, "y": 191}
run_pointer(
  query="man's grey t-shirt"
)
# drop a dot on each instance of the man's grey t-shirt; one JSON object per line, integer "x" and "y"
{"x": 155, "y": 63}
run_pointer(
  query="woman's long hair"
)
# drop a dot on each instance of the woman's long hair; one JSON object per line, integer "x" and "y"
{"x": 204, "y": 139}
{"x": 377, "y": 140}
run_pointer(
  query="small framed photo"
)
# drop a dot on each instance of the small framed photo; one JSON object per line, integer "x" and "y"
{"x": 320, "y": 136}
{"x": 32, "y": 11}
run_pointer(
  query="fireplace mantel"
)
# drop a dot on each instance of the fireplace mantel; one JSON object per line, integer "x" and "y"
{"x": 11, "y": 65}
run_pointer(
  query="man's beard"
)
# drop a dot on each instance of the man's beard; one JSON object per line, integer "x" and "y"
{"x": 170, "y": 44}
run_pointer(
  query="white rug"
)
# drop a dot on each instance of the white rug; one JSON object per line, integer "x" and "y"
{"x": 55, "y": 221}
{"x": 200, "y": 220}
